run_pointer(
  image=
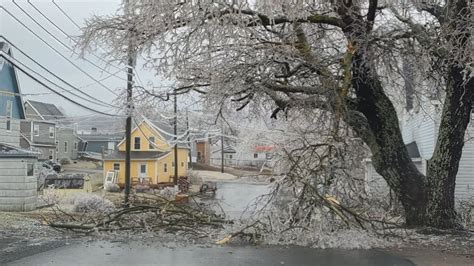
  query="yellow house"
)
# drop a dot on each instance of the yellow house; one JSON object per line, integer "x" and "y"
{"x": 152, "y": 156}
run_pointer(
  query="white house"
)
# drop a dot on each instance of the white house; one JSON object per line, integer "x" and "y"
{"x": 420, "y": 131}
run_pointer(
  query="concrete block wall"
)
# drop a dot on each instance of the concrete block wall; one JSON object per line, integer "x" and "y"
{"x": 18, "y": 192}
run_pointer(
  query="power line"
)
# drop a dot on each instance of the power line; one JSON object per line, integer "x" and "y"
{"x": 56, "y": 76}
{"x": 55, "y": 84}
{"x": 78, "y": 27}
{"x": 10, "y": 60}
{"x": 62, "y": 43}
{"x": 56, "y": 51}
{"x": 101, "y": 48}
{"x": 62, "y": 11}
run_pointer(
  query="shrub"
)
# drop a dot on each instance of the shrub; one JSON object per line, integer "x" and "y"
{"x": 89, "y": 203}
{"x": 65, "y": 161}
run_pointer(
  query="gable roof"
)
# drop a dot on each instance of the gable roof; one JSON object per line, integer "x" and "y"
{"x": 101, "y": 137}
{"x": 136, "y": 155}
{"x": 46, "y": 111}
{"x": 9, "y": 86}
{"x": 7, "y": 151}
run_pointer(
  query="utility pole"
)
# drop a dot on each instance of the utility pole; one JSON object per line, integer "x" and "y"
{"x": 128, "y": 123}
{"x": 188, "y": 140}
{"x": 175, "y": 179}
{"x": 222, "y": 147}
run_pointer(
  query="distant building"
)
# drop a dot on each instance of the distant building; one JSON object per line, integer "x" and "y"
{"x": 17, "y": 166}
{"x": 41, "y": 115}
{"x": 39, "y": 136}
{"x": 201, "y": 149}
{"x": 99, "y": 142}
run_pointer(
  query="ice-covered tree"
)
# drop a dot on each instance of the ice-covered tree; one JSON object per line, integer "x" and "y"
{"x": 340, "y": 57}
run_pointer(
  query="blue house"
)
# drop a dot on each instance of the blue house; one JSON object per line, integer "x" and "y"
{"x": 11, "y": 105}
{"x": 17, "y": 166}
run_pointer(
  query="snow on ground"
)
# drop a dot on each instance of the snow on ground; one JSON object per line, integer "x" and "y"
{"x": 212, "y": 175}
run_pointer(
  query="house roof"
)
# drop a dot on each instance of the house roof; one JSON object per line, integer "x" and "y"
{"x": 227, "y": 149}
{"x": 47, "y": 111}
{"x": 101, "y": 137}
{"x": 9, "y": 87}
{"x": 136, "y": 155}
{"x": 8, "y": 151}
{"x": 413, "y": 151}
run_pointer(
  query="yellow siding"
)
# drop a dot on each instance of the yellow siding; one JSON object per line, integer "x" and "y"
{"x": 155, "y": 168}
{"x": 144, "y": 132}
{"x": 168, "y": 160}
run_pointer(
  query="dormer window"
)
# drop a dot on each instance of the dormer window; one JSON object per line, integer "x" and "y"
{"x": 136, "y": 144}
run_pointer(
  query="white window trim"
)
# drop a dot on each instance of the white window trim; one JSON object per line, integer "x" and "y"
{"x": 36, "y": 132}
{"x": 51, "y": 136}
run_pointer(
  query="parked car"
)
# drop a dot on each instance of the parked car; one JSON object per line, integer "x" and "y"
{"x": 52, "y": 165}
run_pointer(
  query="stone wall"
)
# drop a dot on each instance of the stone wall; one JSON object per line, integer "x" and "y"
{"x": 17, "y": 190}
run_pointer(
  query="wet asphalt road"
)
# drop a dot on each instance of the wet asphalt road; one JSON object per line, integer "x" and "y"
{"x": 135, "y": 253}
{"x": 234, "y": 198}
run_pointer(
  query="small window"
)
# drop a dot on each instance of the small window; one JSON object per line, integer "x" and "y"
{"x": 36, "y": 129}
{"x": 255, "y": 155}
{"x": 51, "y": 154}
{"x": 269, "y": 156}
{"x": 172, "y": 164}
{"x": 57, "y": 146}
{"x": 75, "y": 146}
{"x": 117, "y": 166}
{"x": 65, "y": 146}
{"x": 151, "y": 145}
{"x": 165, "y": 167}
{"x": 51, "y": 132}
{"x": 30, "y": 169}
{"x": 8, "y": 113}
{"x": 182, "y": 164}
{"x": 137, "y": 143}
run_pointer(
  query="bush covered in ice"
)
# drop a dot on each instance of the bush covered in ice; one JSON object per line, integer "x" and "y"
{"x": 169, "y": 193}
{"x": 90, "y": 203}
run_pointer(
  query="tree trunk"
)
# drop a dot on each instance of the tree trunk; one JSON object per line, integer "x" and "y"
{"x": 381, "y": 132}
{"x": 427, "y": 200}
{"x": 443, "y": 166}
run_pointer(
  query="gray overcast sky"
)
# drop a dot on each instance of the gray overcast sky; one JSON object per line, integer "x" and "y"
{"x": 26, "y": 41}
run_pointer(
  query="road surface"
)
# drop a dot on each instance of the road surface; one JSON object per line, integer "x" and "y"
{"x": 136, "y": 253}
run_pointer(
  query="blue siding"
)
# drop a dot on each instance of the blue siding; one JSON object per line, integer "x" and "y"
{"x": 8, "y": 89}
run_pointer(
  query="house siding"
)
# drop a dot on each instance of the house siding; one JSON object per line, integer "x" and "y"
{"x": 17, "y": 190}
{"x": 465, "y": 177}
{"x": 10, "y": 137}
{"x": 67, "y": 135}
{"x": 422, "y": 127}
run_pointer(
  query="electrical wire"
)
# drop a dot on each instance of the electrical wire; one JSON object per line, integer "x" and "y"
{"x": 65, "y": 45}
{"x": 56, "y": 76}
{"x": 10, "y": 60}
{"x": 55, "y": 84}
{"x": 56, "y": 51}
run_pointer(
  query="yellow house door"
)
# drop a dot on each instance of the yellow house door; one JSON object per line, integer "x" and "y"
{"x": 142, "y": 172}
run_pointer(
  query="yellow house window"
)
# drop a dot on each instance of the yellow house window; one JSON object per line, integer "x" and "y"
{"x": 182, "y": 164}
{"x": 116, "y": 166}
{"x": 136, "y": 144}
{"x": 165, "y": 167}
